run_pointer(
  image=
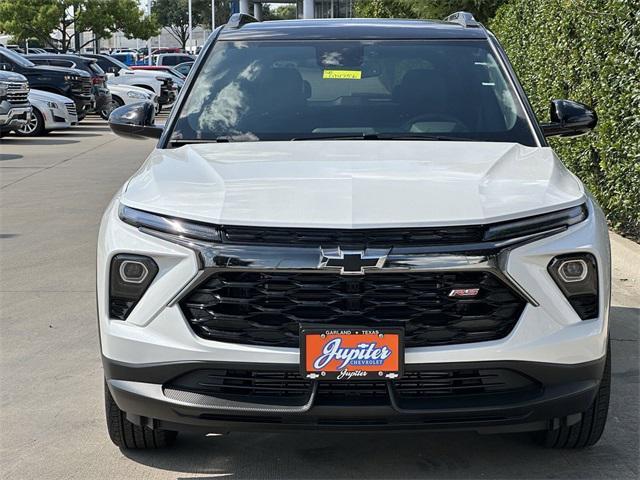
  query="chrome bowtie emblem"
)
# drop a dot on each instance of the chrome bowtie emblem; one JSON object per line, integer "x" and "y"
{"x": 353, "y": 262}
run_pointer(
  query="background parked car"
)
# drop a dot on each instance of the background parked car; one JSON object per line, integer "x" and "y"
{"x": 127, "y": 94}
{"x": 68, "y": 82}
{"x": 102, "y": 97}
{"x": 50, "y": 112}
{"x": 159, "y": 82}
{"x": 126, "y": 58}
{"x": 171, "y": 59}
{"x": 178, "y": 78}
{"x": 184, "y": 67}
{"x": 15, "y": 110}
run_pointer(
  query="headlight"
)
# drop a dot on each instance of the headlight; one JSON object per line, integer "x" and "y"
{"x": 130, "y": 276}
{"x": 537, "y": 224}
{"x": 53, "y": 105}
{"x": 132, "y": 94}
{"x": 576, "y": 274}
{"x": 175, "y": 226}
{"x": 74, "y": 78}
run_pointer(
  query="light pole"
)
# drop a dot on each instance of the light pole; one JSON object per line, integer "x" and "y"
{"x": 190, "y": 28}
{"x": 149, "y": 41}
{"x": 213, "y": 15}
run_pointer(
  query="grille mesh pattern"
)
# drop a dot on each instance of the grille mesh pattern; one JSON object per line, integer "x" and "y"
{"x": 17, "y": 92}
{"x": 71, "y": 108}
{"x": 289, "y": 387}
{"x": 268, "y": 308}
{"x": 363, "y": 238}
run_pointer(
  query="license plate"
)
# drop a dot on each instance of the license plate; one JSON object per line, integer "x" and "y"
{"x": 351, "y": 354}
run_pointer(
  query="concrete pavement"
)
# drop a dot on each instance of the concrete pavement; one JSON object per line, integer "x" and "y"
{"x": 52, "y": 193}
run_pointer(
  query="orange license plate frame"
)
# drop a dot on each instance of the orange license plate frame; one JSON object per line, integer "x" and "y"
{"x": 351, "y": 353}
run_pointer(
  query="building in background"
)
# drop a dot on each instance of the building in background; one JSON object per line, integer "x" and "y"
{"x": 304, "y": 8}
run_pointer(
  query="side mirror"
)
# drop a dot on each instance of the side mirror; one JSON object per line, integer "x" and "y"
{"x": 110, "y": 76}
{"x": 569, "y": 119}
{"x": 135, "y": 121}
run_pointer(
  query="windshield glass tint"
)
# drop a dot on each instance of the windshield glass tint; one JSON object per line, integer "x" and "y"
{"x": 281, "y": 90}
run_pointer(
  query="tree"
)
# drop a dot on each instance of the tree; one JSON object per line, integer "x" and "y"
{"x": 223, "y": 12}
{"x": 483, "y": 10}
{"x": 70, "y": 18}
{"x": 174, "y": 16}
{"x": 281, "y": 12}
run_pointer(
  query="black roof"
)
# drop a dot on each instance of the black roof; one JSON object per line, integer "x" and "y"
{"x": 64, "y": 56}
{"x": 351, "y": 29}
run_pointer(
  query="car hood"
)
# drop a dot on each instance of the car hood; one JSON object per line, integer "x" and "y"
{"x": 12, "y": 77}
{"x": 48, "y": 96}
{"x": 148, "y": 73}
{"x": 123, "y": 89}
{"x": 352, "y": 184}
{"x": 68, "y": 71}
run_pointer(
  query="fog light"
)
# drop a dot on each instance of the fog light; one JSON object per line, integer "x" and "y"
{"x": 576, "y": 275}
{"x": 132, "y": 271}
{"x": 130, "y": 275}
{"x": 573, "y": 270}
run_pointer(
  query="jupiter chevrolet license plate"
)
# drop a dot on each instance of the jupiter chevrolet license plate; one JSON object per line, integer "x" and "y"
{"x": 351, "y": 354}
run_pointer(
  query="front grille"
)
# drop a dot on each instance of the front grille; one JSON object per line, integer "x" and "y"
{"x": 17, "y": 92}
{"x": 361, "y": 238}
{"x": 288, "y": 387}
{"x": 245, "y": 385}
{"x": 71, "y": 108}
{"x": 82, "y": 87}
{"x": 268, "y": 308}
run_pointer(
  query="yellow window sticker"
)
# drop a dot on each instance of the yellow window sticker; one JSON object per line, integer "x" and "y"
{"x": 342, "y": 74}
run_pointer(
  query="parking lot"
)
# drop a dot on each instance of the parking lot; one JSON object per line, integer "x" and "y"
{"x": 53, "y": 192}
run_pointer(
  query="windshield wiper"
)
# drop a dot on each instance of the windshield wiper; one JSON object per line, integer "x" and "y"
{"x": 387, "y": 136}
{"x": 424, "y": 136}
{"x": 337, "y": 136}
{"x": 220, "y": 139}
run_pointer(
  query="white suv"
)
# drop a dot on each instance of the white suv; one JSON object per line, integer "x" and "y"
{"x": 354, "y": 224}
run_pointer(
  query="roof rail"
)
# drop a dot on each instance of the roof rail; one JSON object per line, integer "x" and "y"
{"x": 465, "y": 19}
{"x": 237, "y": 20}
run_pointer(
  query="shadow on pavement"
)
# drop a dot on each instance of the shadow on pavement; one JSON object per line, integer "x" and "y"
{"x": 76, "y": 133}
{"x": 10, "y": 156}
{"x": 40, "y": 141}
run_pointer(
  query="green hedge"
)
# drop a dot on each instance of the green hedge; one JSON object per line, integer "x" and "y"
{"x": 589, "y": 51}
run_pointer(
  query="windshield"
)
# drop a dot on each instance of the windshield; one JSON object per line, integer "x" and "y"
{"x": 16, "y": 58}
{"x": 285, "y": 90}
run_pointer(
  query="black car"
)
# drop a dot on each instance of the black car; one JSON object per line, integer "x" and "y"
{"x": 102, "y": 96}
{"x": 69, "y": 82}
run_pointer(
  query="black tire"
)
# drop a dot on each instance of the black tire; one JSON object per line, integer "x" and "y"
{"x": 587, "y": 431}
{"x": 125, "y": 434}
{"x": 35, "y": 127}
{"x": 115, "y": 103}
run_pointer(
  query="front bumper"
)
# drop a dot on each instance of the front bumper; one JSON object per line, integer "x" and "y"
{"x": 15, "y": 117}
{"x": 549, "y": 343}
{"x": 563, "y": 392}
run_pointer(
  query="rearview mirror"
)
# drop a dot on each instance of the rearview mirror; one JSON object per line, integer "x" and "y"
{"x": 6, "y": 66}
{"x": 569, "y": 119}
{"x": 135, "y": 121}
